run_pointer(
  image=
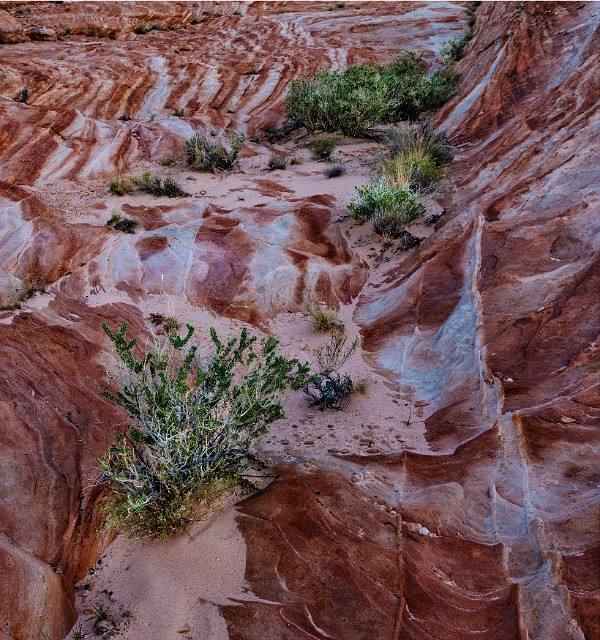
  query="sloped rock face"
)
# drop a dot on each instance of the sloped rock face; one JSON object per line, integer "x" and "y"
{"x": 489, "y": 529}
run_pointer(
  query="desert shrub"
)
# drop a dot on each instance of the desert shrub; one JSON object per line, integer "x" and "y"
{"x": 124, "y": 117}
{"x": 204, "y": 154}
{"x": 389, "y": 209}
{"x": 420, "y": 140}
{"x": 23, "y": 96}
{"x": 415, "y": 172}
{"x": 324, "y": 318}
{"x": 361, "y": 96}
{"x": 178, "y": 113}
{"x": 329, "y": 389}
{"x": 362, "y": 386}
{"x": 322, "y": 148}
{"x": 119, "y": 186}
{"x": 158, "y": 186}
{"x": 192, "y": 421}
{"x": 122, "y": 223}
{"x": 335, "y": 170}
{"x": 277, "y": 161}
{"x": 142, "y": 28}
{"x": 296, "y": 160}
{"x": 454, "y": 50}
{"x": 168, "y": 323}
{"x": 168, "y": 161}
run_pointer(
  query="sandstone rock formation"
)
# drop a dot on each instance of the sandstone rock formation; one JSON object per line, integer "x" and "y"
{"x": 488, "y": 526}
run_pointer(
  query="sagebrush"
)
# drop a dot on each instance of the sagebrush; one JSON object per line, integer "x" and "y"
{"x": 204, "y": 153}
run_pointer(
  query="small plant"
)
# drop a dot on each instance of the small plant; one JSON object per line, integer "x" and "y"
{"x": 296, "y": 160}
{"x": 340, "y": 5}
{"x": 124, "y": 118}
{"x": 324, "y": 318}
{"x": 168, "y": 323}
{"x": 192, "y": 421}
{"x": 142, "y": 28}
{"x": 121, "y": 223}
{"x": 78, "y": 634}
{"x": 454, "y": 50}
{"x": 389, "y": 209}
{"x": 237, "y": 12}
{"x": 322, "y": 148}
{"x": 178, "y": 113}
{"x": 335, "y": 170}
{"x": 159, "y": 187}
{"x": 168, "y": 161}
{"x": 251, "y": 72}
{"x": 93, "y": 31}
{"x": 420, "y": 140}
{"x": 119, "y": 186}
{"x": 277, "y": 161}
{"x": 362, "y": 386}
{"x": 23, "y": 96}
{"x": 204, "y": 154}
{"x": 99, "y": 614}
{"x": 196, "y": 19}
{"x": 330, "y": 389}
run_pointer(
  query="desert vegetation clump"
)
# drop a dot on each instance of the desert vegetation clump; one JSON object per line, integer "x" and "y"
{"x": 206, "y": 154}
{"x": 416, "y": 164}
{"x": 23, "y": 96}
{"x": 323, "y": 317}
{"x": 119, "y": 186}
{"x": 330, "y": 389}
{"x": 335, "y": 170}
{"x": 159, "y": 186}
{"x": 322, "y": 148}
{"x": 122, "y": 223}
{"x": 192, "y": 420}
{"x": 277, "y": 161}
{"x": 168, "y": 323}
{"x": 360, "y": 97}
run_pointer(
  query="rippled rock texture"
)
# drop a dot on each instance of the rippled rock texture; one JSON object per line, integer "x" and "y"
{"x": 489, "y": 529}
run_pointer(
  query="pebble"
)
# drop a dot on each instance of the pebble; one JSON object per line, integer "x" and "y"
{"x": 424, "y": 531}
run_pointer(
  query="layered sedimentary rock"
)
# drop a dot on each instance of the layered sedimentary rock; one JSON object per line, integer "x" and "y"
{"x": 489, "y": 530}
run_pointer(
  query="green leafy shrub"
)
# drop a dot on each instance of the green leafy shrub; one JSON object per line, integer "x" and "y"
{"x": 389, "y": 209}
{"x": 454, "y": 50}
{"x": 142, "y": 28}
{"x": 322, "y": 148}
{"x": 158, "y": 186}
{"x": 119, "y": 186}
{"x": 192, "y": 421}
{"x": 206, "y": 154}
{"x": 417, "y": 172}
{"x": 277, "y": 161}
{"x": 360, "y": 97}
{"x": 122, "y": 223}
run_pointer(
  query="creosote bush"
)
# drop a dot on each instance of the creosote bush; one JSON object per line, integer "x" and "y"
{"x": 192, "y": 420}
{"x": 206, "y": 154}
{"x": 122, "y": 223}
{"x": 159, "y": 186}
{"x": 360, "y": 97}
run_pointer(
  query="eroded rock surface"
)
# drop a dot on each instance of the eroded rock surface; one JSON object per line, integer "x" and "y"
{"x": 481, "y": 519}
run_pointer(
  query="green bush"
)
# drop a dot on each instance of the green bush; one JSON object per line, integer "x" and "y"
{"x": 278, "y": 161}
{"x": 360, "y": 97}
{"x": 158, "y": 186}
{"x": 416, "y": 172}
{"x": 119, "y": 186}
{"x": 192, "y": 422}
{"x": 420, "y": 140}
{"x": 454, "y": 50}
{"x": 322, "y": 148}
{"x": 389, "y": 209}
{"x": 206, "y": 154}
{"x": 122, "y": 223}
